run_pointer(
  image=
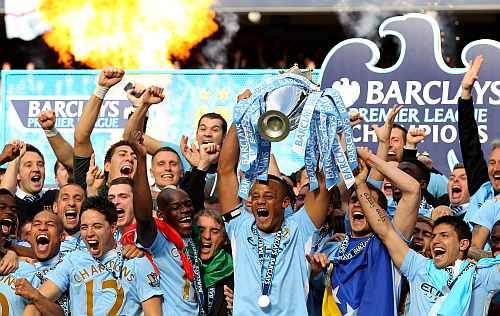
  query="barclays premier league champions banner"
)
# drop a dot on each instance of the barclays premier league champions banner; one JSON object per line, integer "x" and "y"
{"x": 420, "y": 80}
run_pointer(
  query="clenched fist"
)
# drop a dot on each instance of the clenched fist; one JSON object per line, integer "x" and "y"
{"x": 47, "y": 119}
{"x": 110, "y": 76}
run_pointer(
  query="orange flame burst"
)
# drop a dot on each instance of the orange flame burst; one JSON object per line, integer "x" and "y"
{"x": 131, "y": 34}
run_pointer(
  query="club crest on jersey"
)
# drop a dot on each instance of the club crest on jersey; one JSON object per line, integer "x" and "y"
{"x": 154, "y": 279}
{"x": 286, "y": 232}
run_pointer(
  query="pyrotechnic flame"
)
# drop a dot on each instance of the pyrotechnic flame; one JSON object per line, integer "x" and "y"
{"x": 131, "y": 34}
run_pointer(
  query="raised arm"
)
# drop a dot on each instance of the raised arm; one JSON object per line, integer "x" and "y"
{"x": 226, "y": 171}
{"x": 316, "y": 202}
{"x": 378, "y": 219}
{"x": 9, "y": 180}
{"x": 143, "y": 201}
{"x": 227, "y": 166}
{"x": 61, "y": 148}
{"x": 9, "y": 152}
{"x": 414, "y": 137}
{"x": 95, "y": 178}
{"x": 383, "y": 137}
{"x": 137, "y": 119}
{"x": 108, "y": 77}
{"x": 470, "y": 146}
{"x": 407, "y": 209}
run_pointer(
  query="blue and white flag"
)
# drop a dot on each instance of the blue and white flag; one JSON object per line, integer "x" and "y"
{"x": 362, "y": 280}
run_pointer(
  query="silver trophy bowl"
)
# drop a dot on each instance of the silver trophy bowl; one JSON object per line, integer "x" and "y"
{"x": 283, "y": 108}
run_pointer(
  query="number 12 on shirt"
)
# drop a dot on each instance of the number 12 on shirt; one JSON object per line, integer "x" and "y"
{"x": 108, "y": 284}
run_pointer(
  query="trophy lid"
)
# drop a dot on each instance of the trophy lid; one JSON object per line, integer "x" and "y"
{"x": 306, "y": 73}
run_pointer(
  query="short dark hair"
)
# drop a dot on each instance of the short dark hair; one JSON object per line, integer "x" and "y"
{"x": 286, "y": 188}
{"x": 425, "y": 219}
{"x": 496, "y": 224}
{"x": 401, "y": 127}
{"x": 214, "y": 116}
{"x": 102, "y": 206}
{"x": 426, "y": 173}
{"x": 459, "y": 225}
{"x": 2, "y": 171}
{"x": 70, "y": 171}
{"x": 166, "y": 148}
{"x": 335, "y": 199}
{"x": 165, "y": 198}
{"x": 295, "y": 176}
{"x": 56, "y": 197}
{"x": 121, "y": 180}
{"x": 4, "y": 191}
{"x": 111, "y": 150}
{"x": 33, "y": 149}
{"x": 458, "y": 166}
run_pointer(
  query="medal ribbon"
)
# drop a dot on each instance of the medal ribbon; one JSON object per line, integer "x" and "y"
{"x": 342, "y": 256}
{"x": 268, "y": 277}
{"x": 197, "y": 276}
{"x": 211, "y": 297}
{"x": 63, "y": 300}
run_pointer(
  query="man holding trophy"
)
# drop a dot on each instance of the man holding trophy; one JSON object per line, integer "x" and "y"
{"x": 269, "y": 249}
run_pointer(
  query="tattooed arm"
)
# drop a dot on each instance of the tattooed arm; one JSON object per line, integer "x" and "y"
{"x": 378, "y": 219}
{"x": 406, "y": 212}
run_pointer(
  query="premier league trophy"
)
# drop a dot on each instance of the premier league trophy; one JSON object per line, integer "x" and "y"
{"x": 292, "y": 101}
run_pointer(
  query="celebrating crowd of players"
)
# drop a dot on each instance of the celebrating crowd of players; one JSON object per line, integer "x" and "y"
{"x": 405, "y": 240}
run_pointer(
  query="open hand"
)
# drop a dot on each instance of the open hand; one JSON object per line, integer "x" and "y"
{"x": 384, "y": 132}
{"x": 472, "y": 73}
{"x": 191, "y": 153}
{"x": 95, "y": 177}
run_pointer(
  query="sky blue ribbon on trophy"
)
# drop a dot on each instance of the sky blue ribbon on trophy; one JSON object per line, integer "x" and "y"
{"x": 323, "y": 117}
{"x": 347, "y": 130}
{"x": 311, "y": 157}
{"x": 254, "y": 150}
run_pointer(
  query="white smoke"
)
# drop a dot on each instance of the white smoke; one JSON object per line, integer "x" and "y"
{"x": 215, "y": 50}
{"x": 365, "y": 23}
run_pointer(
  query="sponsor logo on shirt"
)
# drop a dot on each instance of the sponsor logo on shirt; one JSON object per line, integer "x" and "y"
{"x": 430, "y": 292}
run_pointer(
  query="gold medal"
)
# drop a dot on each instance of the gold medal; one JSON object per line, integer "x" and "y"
{"x": 185, "y": 292}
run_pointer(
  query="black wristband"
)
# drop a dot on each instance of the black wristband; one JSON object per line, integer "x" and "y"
{"x": 232, "y": 214}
